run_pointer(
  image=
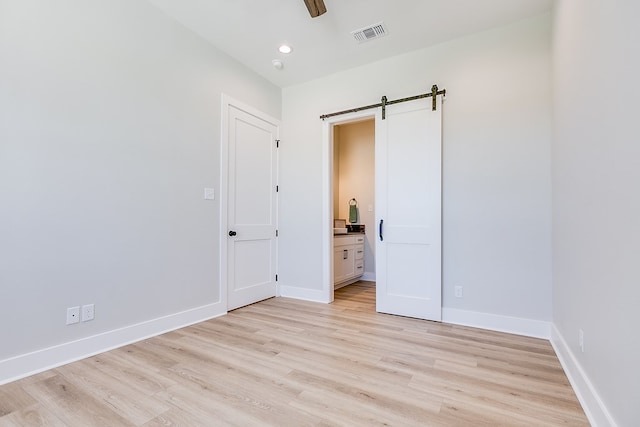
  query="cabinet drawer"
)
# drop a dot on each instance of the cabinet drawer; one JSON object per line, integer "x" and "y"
{"x": 359, "y": 267}
{"x": 359, "y": 240}
{"x": 343, "y": 240}
{"x": 359, "y": 252}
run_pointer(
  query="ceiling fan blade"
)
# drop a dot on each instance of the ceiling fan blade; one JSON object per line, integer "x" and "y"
{"x": 315, "y": 7}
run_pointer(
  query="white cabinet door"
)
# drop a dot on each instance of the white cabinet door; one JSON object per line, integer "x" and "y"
{"x": 408, "y": 212}
{"x": 338, "y": 274}
{"x": 252, "y": 208}
{"x": 348, "y": 261}
{"x": 343, "y": 263}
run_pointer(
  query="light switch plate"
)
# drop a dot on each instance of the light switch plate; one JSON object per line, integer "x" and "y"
{"x": 209, "y": 193}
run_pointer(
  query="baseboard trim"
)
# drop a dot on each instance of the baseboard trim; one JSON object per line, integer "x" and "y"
{"x": 594, "y": 408}
{"x": 303, "y": 294}
{"x": 495, "y": 322}
{"x": 38, "y": 361}
{"x": 368, "y": 276}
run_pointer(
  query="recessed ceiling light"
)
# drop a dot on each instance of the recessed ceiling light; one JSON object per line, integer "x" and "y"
{"x": 285, "y": 49}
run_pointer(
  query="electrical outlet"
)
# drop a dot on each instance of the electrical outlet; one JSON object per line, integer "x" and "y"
{"x": 581, "y": 339}
{"x": 209, "y": 194}
{"x": 88, "y": 312}
{"x": 73, "y": 315}
{"x": 458, "y": 291}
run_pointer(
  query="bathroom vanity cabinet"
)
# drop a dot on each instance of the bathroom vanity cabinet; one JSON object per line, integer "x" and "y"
{"x": 348, "y": 259}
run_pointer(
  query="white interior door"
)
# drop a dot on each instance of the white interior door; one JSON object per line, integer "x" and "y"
{"x": 251, "y": 208}
{"x": 408, "y": 211}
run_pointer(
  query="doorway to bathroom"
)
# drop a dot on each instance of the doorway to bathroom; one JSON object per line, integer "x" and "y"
{"x": 408, "y": 205}
{"x": 353, "y": 196}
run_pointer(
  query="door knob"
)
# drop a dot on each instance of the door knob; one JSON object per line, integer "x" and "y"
{"x": 232, "y": 233}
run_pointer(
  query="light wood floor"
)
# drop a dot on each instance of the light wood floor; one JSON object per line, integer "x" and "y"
{"x": 284, "y": 362}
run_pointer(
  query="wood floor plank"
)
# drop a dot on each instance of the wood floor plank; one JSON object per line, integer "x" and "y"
{"x": 34, "y": 416}
{"x": 72, "y": 405}
{"x": 114, "y": 392}
{"x": 319, "y": 404}
{"x": 14, "y": 398}
{"x": 285, "y": 362}
{"x": 359, "y": 404}
{"x": 143, "y": 377}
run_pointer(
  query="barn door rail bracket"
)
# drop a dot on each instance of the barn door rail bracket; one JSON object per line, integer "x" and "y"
{"x": 384, "y": 103}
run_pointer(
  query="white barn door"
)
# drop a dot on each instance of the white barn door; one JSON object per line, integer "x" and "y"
{"x": 408, "y": 212}
{"x": 251, "y": 208}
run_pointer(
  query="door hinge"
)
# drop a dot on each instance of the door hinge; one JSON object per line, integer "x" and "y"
{"x": 277, "y": 188}
{"x": 276, "y": 277}
{"x": 277, "y": 143}
{"x": 276, "y": 233}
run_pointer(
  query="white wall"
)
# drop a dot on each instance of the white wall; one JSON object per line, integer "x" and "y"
{"x": 496, "y": 173}
{"x": 596, "y": 203}
{"x": 356, "y": 179}
{"x": 109, "y": 131}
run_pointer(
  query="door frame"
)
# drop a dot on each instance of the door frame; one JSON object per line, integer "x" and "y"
{"x": 327, "y": 194}
{"x": 227, "y": 102}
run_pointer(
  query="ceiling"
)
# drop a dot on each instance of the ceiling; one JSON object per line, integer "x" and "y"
{"x": 252, "y": 30}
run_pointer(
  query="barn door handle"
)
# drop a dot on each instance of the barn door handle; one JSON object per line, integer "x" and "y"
{"x": 232, "y": 233}
{"x": 380, "y": 231}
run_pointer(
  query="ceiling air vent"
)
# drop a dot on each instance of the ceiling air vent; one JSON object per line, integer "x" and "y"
{"x": 371, "y": 32}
